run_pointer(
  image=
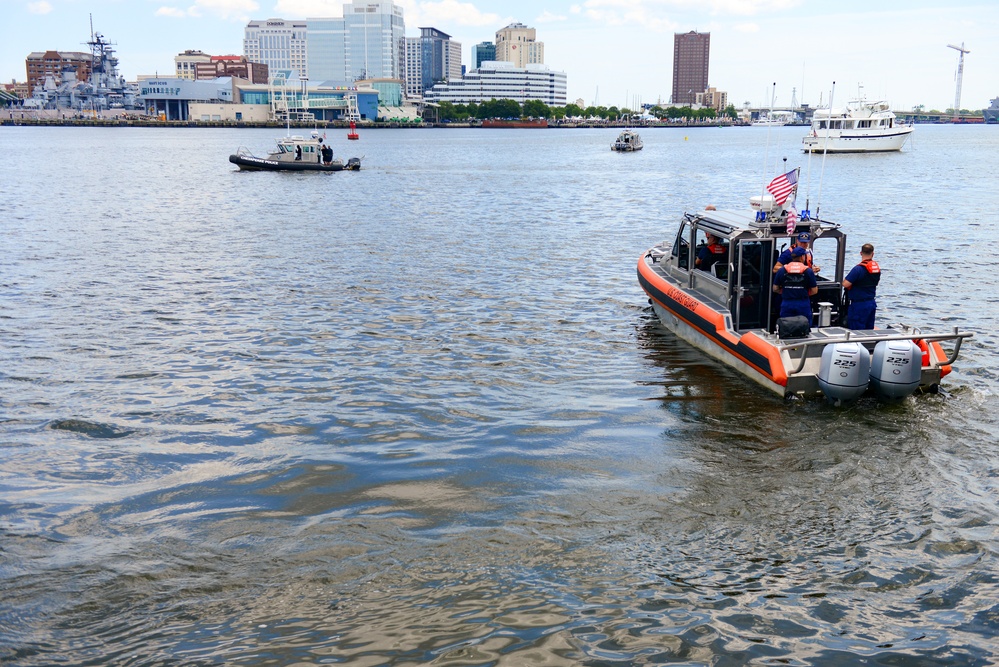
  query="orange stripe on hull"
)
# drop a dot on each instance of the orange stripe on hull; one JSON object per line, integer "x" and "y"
{"x": 762, "y": 356}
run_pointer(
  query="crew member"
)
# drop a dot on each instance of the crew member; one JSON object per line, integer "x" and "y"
{"x": 861, "y": 285}
{"x": 800, "y": 241}
{"x": 796, "y": 285}
{"x": 713, "y": 251}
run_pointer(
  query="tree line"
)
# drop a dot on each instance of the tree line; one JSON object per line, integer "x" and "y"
{"x": 448, "y": 111}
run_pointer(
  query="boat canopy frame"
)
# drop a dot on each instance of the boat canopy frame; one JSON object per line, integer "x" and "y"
{"x": 743, "y": 284}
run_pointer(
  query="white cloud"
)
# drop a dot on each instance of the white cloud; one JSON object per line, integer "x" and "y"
{"x": 747, "y": 27}
{"x": 235, "y": 10}
{"x": 446, "y": 13}
{"x": 41, "y": 7}
{"x": 238, "y": 10}
{"x": 172, "y": 12}
{"x": 630, "y": 13}
{"x": 548, "y": 17}
{"x": 750, "y": 7}
{"x": 309, "y": 8}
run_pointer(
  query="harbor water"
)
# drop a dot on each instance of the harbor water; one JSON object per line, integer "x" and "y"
{"x": 423, "y": 414}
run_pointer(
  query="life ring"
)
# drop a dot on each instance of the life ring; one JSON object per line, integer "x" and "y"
{"x": 925, "y": 349}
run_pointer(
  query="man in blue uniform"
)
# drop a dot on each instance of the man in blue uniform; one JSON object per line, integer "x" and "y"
{"x": 796, "y": 285}
{"x": 800, "y": 241}
{"x": 861, "y": 285}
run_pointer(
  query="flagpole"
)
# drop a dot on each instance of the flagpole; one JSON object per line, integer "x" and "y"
{"x": 766, "y": 155}
{"x": 825, "y": 151}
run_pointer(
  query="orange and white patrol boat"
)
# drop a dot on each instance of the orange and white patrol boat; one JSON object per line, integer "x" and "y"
{"x": 729, "y": 311}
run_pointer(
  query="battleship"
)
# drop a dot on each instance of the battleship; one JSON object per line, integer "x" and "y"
{"x": 104, "y": 90}
{"x": 992, "y": 113}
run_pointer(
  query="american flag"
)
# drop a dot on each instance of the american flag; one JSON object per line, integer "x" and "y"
{"x": 792, "y": 220}
{"x": 783, "y": 185}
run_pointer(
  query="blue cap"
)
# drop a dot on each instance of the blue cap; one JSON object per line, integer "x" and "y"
{"x": 803, "y": 236}
{"x": 798, "y": 252}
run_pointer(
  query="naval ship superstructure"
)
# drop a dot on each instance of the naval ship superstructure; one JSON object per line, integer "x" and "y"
{"x": 104, "y": 90}
{"x": 992, "y": 113}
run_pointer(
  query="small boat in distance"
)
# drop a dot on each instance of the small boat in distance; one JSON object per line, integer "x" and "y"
{"x": 628, "y": 140}
{"x": 991, "y": 113}
{"x": 726, "y": 311}
{"x": 295, "y": 153}
{"x": 775, "y": 119}
{"x": 861, "y": 127}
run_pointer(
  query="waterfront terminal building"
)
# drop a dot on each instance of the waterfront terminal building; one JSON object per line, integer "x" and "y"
{"x": 502, "y": 81}
{"x": 234, "y": 99}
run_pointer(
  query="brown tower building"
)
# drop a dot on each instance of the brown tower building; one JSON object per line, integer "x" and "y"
{"x": 690, "y": 65}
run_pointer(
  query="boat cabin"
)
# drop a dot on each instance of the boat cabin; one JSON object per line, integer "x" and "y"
{"x": 297, "y": 148}
{"x": 741, "y": 281}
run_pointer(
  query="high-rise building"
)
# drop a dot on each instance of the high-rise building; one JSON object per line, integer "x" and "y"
{"x": 413, "y": 85}
{"x": 327, "y": 52}
{"x": 501, "y": 80}
{"x": 518, "y": 44}
{"x": 279, "y": 44}
{"x": 375, "y": 38}
{"x": 690, "y": 65}
{"x": 431, "y": 58}
{"x": 367, "y": 42}
{"x": 483, "y": 52}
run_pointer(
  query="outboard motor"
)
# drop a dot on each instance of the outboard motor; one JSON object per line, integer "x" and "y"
{"x": 896, "y": 368}
{"x": 354, "y": 164}
{"x": 845, "y": 371}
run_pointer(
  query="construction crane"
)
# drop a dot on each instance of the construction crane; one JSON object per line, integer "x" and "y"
{"x": 960, "y": 75}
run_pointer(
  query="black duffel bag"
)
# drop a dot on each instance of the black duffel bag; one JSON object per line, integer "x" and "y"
{"x": 793, "y": 327}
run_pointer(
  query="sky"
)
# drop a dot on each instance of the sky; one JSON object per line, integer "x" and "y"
{"x": 614, "y": 52}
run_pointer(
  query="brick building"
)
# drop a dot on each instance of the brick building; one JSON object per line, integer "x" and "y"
{"x": 237, "y": 66}
{"x": 40, "y": 64}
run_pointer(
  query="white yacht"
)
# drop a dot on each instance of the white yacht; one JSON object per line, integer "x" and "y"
{"x": 861, "y": 127}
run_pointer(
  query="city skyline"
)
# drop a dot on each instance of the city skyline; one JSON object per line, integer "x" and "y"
{"x": 614, "y": 52}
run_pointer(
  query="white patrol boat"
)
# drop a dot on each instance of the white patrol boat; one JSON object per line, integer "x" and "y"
{"x": 727, "y": 311}
{"x": 627, "y": 141}
{"x": 294, "y": 153}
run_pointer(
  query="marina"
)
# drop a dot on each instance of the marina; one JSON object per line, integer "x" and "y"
{"x": 420, "y": 415}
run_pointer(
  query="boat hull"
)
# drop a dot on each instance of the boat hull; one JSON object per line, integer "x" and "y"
{"x": 251, "y": 163}
{"x": 856, "y": 142}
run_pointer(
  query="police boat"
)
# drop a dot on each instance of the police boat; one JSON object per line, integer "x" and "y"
{"x": 294, "y": 153}
{"x": 729, "y": 309}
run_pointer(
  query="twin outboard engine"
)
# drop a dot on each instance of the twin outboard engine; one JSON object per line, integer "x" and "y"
{"x": 845, "y": 371}
{"x": 896, "y": 368}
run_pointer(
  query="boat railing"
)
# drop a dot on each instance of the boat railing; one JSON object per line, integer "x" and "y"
{"x": 852, "y": 337}
{"x": 243, "y": 151}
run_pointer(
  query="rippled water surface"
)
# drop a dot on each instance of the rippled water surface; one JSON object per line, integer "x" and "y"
{"x": 422, "y": 414}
